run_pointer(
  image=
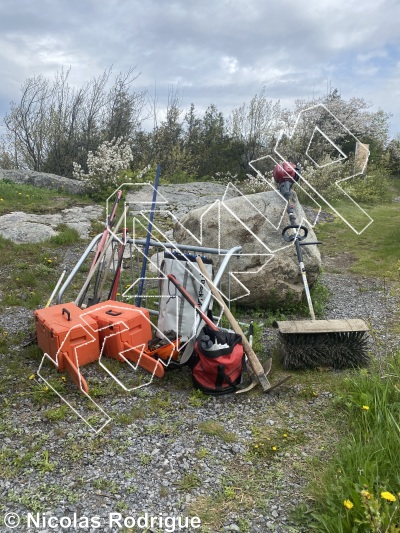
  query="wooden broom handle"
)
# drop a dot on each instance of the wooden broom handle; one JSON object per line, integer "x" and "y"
{"x": 253, "y": 359}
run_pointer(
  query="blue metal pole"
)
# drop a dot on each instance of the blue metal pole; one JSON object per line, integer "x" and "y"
{"x": 148, "y": 238}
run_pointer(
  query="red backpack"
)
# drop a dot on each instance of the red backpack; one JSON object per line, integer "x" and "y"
{"x": 217, "y": 362}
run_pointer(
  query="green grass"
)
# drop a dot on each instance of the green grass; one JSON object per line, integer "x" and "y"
{"x": 57, "y": 413}
{"x": 27, "y": 198}
{"x": 216, "y": 429}
{"x": 189, "y": 481}
{"x": 376, "y": 249}
{"x": 352, "y": 492}
{"x": 66, "y": 236}
{"x": 32, "y": 270}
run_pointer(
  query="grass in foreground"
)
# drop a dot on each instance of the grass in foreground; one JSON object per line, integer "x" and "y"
{"x": 360, "y": 488}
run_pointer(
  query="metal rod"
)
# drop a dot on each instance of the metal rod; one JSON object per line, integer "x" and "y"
{"x": 78, "y": 265}
{"x": 148, "y": 238}
{"x": 56, "y": 287}
{"x": 227, "y": 254}
{"x": 200, "y": 249}
{"x": 233, "y": 251}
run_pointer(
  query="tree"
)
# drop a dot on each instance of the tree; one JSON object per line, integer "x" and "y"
{"x": 124, "y": 114}
{"x": 167, "y": 138}
{"x": 64, "y": 132}
{"x": 255, "y": 126}
{"x": 393, "y": 155}
{"x": 212, "y": 143}
{"x": 321, "y": 127}
{"x": 28, "y": 123}
{"x": 55, "y": 124}
{"x": 192, "y": 134}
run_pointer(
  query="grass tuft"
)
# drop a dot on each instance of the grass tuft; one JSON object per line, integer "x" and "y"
{"x": 66, "y": 236}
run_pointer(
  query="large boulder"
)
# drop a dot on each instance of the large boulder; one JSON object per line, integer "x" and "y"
{"x": 268, "y": 271}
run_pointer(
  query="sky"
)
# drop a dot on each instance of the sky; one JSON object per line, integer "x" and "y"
{"x": 220, "y": 52}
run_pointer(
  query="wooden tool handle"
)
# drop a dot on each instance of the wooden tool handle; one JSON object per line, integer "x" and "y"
{"x": 192, "y": 302}
{"x": 253, "y": 359}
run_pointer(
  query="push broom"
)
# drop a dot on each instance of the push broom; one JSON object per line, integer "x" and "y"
{"x": 315, "y": 343}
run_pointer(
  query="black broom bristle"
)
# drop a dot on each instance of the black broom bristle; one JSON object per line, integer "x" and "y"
{"x": 335, "y": 350}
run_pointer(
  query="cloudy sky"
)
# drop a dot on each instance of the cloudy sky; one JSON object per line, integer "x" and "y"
{"x": 216, "y": 51}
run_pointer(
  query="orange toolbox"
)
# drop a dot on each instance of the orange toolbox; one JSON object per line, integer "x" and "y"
{"x": 69, "y": 341}
{"x": 125, "y": 329}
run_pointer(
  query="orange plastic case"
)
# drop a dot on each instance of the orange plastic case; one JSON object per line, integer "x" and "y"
{"x": 125, "y": 330}
{"x": 75, "y": 337}
{"x": 120, "y": 324}
{"x": 70, "y": 342}
{"x": 61, "y": 332}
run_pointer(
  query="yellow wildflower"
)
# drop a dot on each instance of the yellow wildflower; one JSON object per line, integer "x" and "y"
{"x": 365, "y": 494}
{"x": 388, "y": 496}
{"x": 348, "y": 504}
{"x": 285, "y": 435}
{"x": 274, "y": 448}
{"x": 32, "y": 376}
{"x": 365, "y": 407}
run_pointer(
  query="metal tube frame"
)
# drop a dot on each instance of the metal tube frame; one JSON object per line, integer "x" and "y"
{"x": 227, "y": 253}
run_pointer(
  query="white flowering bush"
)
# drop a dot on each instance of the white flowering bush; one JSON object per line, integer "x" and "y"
{"x": 324, "y": 177}
{"x": 257, "y": 183}
{"x": 104, "y": 167}
{"x": 250, "y": 185}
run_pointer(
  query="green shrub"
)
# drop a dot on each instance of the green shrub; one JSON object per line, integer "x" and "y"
{"x": 179, "y": 177}
{"x": 370, "y": 189}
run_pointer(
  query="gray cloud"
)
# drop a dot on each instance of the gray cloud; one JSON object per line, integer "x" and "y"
{"x": 217, "y": 51}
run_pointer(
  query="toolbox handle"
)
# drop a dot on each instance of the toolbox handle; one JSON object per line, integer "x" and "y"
{"x": 113, "y": 313}
{"x": 64, "y": 310}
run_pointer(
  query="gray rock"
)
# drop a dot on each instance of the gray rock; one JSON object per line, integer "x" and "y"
{"x": 42, "y": 179}
{"x": 178, "y": 199}
{"x": 19, "y": 228}
{"x": 22, "y": 227}
{"x": 268, "y": 267}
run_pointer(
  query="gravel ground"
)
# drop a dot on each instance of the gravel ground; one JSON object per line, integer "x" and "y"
{"x": 165, "y": 462}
